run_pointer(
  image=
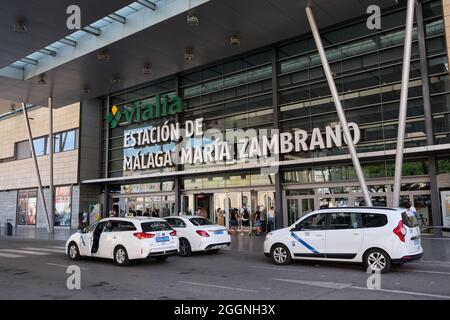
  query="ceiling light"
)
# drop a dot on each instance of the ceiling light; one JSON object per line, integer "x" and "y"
{"x": 146, "y": 69}
{"x": 42, "y": 79}
{"x": 19, "y": 25}
{"x": 115, "y": 80}
{"x": 192, "y": 20}
{"x": 103, "y": 55}
{"x": 235, "y": 40}
{"x": 188, "y": 54}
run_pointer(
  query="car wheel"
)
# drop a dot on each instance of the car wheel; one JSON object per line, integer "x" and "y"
{"x": 121, "y": 256}
{"x": 185, "y": 248}
{"x": 161, "y": 259}
{"x": 377, "y": 260}
{"x": 280, "y": 254}
{"x": 73, "y": 252}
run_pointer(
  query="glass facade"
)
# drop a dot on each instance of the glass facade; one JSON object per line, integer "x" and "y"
{"x": 287, "y": 78}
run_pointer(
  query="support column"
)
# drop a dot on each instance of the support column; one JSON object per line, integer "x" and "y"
{"x": 338, "y": 105}
{"x": 279, "y": 217}
{"x": 36, "y": 166}
{"x": 50, "y": 157}
{"x": 432, "y": 165}
{"x": 176, "y": 186}
{"x": 403, "y": 103}
{"x": 105, "y": 210}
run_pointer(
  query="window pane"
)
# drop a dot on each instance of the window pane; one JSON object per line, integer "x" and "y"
{"x": 26, "y": 207}
{"x": 344, "y": 221}
{"x": 23, "y": 150}
{"x": 39, "y": 146}
{"x": 63, "y": 206}
{"x": 373, "y": 220}
{"x": 126, "y": 226}
{"x": 314, "y": 222}
{"x": 68, "y": 140}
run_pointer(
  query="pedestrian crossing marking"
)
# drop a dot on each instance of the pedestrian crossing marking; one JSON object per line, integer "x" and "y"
{"x": 10, "y": 255}
{"x": 44, "y": 250}
{"x": 24, "y": 252}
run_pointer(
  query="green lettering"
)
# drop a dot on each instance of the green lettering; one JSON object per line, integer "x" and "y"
{"x": 164, "y": 106}
{"x": 157, "y": 106}
{"x": 175, "y": 105}
{"x": 147, "y": 111}
{"x": 129, "y": 114}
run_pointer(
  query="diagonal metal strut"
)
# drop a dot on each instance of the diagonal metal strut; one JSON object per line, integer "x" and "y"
{"x": 403, "y": 103}
{"x": 36, "y": 166}
{"x": 338, "y": 105}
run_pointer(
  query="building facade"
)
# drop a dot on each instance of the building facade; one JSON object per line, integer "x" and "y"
{"x": 120, "y": 160}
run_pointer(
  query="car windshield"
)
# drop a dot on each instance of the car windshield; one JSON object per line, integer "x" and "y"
{"x": 155, "y": 226}
{"x": 409, "y": 219}
{"x": 201, "y": 221}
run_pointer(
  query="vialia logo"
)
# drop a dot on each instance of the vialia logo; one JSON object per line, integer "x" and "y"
{"x": 144, "y": 110}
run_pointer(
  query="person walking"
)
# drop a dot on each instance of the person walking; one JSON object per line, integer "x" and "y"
{"x": 220, "y": 217}
{"x": 245, "y": 218}
{"x": 85, "y": 219}
{"x": 233, "y": 221}
{"x": 257, "y": 221}
{"x": 271, "y": 217}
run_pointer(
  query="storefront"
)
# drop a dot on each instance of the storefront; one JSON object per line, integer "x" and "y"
{"x": 164, "y": 154}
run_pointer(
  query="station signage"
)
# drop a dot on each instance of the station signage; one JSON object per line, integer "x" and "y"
{"x": 188, "y": 144}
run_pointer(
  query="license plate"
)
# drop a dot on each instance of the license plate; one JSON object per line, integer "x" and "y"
{"x": 162, "y": 239}
{"x": 219, "y": 247}
{"x": 218, "y": 232}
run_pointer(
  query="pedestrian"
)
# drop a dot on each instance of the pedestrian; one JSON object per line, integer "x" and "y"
{"x": 233, "y": 221}
{"x": 413, "y": 209}
{"x": 147, "y": 212}
{"x": 410, "y": 213}
{"x": 245, "y": 217}
{"x": 203, "y": 212}
{"x": 257, "y": 221}
{"x": 271, "y": 222}
{"x": 220, "y": 217}
{"x": 85, "y": 219}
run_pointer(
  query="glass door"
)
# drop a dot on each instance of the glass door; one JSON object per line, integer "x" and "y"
{"x": 422, "y": 203}
{"x": 298, "y": 207}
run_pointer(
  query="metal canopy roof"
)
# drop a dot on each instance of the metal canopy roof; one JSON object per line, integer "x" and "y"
{"x": 259, "y": 23}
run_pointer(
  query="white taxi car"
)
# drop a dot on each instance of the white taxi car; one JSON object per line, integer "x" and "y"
{"x": 377, "y": 237}
{"x": 197, "y": 233}
{"x": 124, "y": 239}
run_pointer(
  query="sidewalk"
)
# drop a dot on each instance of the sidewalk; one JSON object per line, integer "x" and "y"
{"x": 38, "y": 233}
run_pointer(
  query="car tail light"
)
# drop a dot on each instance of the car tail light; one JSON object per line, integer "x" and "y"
{"x": 143, "y": 235}
{"x": 203, "y": 233}
{"x": 173, "y": 233}
{"x": 400, "y": 231}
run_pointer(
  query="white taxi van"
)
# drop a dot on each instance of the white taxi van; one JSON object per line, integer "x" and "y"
{"x": 377, "y": 237}
{"x": 124, "y": 239}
